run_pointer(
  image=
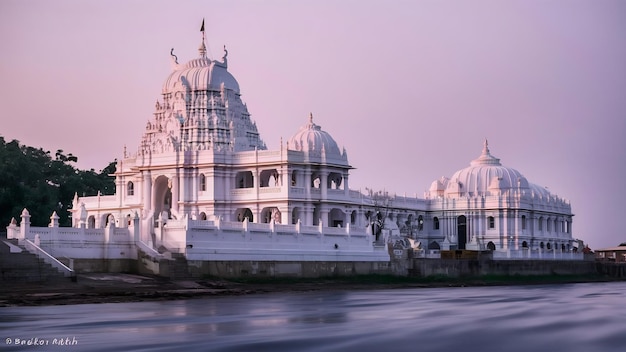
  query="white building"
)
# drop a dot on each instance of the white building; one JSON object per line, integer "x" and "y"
{"x": 490, "y": 206}
{"x": 203, "y": 184}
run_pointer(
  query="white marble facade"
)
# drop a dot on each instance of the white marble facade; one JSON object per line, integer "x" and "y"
{"x": 202, "y": 164}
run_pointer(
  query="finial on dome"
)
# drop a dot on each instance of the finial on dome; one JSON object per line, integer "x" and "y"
{"x": 485, "y": 157}
{"x": 310, "y": 117}
{"x": 224, "y": 60}
{"x": 202, "y": 48}
{"x": 174, "y": 57}
{"x": 486, "y": 147}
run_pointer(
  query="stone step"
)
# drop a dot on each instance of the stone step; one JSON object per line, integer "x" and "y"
{"x": 26, "y": 267}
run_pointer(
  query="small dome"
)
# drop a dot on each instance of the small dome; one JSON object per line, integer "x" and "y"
{"x": 201, "y": 74}
{"x": 312, "y": 140}
{"x": 439, "y": 185}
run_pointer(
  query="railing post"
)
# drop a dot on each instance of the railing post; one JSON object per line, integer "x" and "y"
{"x": 24, "y": 226}
{"x": 12, "y": 231}
{"x": 136, "y": 227}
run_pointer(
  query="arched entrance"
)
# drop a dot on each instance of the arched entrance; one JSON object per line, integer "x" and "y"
{"x": 295, "y": 215}
{"x": 267, "y": 214}
{"x": 243, "y": 213}
{"x": 461, "y": 223}
{"x": 162, "y": 197}
{"x": 336, "y": 217}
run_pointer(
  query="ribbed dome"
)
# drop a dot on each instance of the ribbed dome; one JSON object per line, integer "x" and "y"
{"x": 201, "y": 74}
{"x": 312, "y": 140}
{"x": 485, "y": 176}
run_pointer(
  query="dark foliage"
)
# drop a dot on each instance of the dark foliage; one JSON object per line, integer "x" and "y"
{"x": 32, "y": 178}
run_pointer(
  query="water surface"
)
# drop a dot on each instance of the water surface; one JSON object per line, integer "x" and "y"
{"x": 571, "y": 317}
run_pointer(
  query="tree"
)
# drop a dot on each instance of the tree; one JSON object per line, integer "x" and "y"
{"x": 382, "y": 202}
{"x": 30, "y": 178}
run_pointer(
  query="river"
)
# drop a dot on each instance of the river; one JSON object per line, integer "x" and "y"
{"x": 569, "y": 317}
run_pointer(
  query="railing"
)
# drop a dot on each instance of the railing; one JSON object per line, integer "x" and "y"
{"x": 148, "y": 250}
{"x": 252, "y": 226}
{"x": 242, "y": 191}
{"x": 296, "y": 190}
{"x": 270, "y": 189}
{"x": 334, "y": 230}
{"x": 285, "y": 228}
{"x": 47, "y": 258}
{"x": 201, "y": 224}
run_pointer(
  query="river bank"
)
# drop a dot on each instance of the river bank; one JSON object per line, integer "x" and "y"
{"x": 112, "y": 288}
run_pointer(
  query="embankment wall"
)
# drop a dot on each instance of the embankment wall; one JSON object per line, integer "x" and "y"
{"x": 454, "y": 268}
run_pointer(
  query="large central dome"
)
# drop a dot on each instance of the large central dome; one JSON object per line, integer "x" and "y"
{"x": 201, "y": 74}
{"x": 201, "y": 109}
{"x": 484, "y": 177}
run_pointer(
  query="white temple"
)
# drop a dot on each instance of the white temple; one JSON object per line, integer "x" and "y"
{"x": 203, "y": 184}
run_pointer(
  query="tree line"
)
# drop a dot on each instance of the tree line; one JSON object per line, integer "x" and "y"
{"x": 41, "y": 182}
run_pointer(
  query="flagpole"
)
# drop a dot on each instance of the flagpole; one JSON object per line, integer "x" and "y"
{"x": 203, "y": 45}
{"x": 202, "y": 30}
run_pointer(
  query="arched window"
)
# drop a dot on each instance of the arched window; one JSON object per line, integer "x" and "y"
{"x": 540, "y": 223}
{"x": 435, "y": 223}
{"x": 202, "y": 183}
{"x": 523, "y": 222}
{"x": 420, "y": 223}
{"x": 91, "y": 222}
{"x": 244, "y": 179}
{"x": 130, "y": 189}
{"x": 491, "y": 246}
{"x": 492, "y": 222}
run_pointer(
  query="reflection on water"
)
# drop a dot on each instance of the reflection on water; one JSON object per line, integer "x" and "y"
{"x": 577, "y": 317}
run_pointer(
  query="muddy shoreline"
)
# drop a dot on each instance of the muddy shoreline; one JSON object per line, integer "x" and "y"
{"x": 117, "y": 288}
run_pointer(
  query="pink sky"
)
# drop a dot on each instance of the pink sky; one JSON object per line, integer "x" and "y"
{"x": 409, "y": 88}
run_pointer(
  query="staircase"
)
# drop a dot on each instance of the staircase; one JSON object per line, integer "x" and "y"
{"x": 163, "y": 262}
{"x": 178, "y": 267}
{"x": 24, "y": 266}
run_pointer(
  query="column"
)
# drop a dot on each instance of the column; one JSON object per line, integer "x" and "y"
{"x": 324, "y": 184}
{"x": 175, "y": 193}
{"x": 147, "y": 188}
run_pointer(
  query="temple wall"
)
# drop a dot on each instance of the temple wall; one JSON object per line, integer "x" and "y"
{"x": 261, "y": 269}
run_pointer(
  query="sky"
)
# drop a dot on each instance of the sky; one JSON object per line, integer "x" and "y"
{"x": 411, "y": 89}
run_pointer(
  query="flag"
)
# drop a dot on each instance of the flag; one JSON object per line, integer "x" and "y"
{"x": 202, "y": 28}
